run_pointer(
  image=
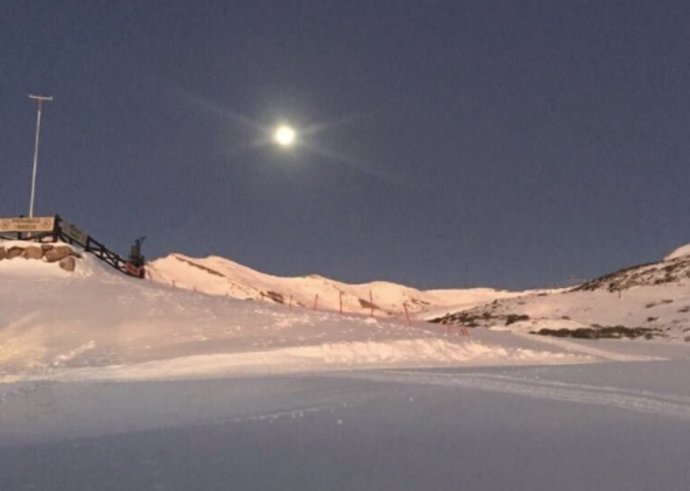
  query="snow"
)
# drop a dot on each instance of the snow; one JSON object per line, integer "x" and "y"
{"x": 98, "y": 324}
{"x": 679, "y": 252}
{"x": 219, "y": 276}
{"x": 609, "y": 426}
{"x": 654, "y": 297}
{"x": 649, "y": 306}
{"x": 108, "y": 382}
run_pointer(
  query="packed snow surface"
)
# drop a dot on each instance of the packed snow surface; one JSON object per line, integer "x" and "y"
{"x": 613, "y": 426}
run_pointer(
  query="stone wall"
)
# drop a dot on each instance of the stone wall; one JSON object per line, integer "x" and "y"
{"x": 62, "y": 254}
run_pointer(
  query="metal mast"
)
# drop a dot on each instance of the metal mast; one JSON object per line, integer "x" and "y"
{"x": 40, "y": 99}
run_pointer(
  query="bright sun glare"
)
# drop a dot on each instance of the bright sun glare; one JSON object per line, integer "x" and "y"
{"x": 284, "y": 136}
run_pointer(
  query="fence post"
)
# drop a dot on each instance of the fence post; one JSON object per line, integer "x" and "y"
{"x": 341, "y": 302}
{"x": 371, "y": 302}
{"x": 316, "y": 301}
{"x": 407, "y": 314}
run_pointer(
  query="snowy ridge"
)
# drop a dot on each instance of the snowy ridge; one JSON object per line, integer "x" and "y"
{"x": 674, "y": 269}
{"x": 650, "y": 300}
{"x": 219, "y": 276}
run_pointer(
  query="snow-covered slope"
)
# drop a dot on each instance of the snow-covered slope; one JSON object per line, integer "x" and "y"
{"x": 615, "y": 425}
{"x": 650, "y": 300}
{"x": 219, "y": 276}
{"x": 96, "y": 322}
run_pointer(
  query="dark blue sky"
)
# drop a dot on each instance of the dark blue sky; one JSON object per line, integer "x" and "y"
{"x": 452, "y": 143}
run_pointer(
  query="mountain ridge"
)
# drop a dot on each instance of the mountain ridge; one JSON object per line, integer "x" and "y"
{"x": 221, "y": 276}
{"x": 650, "y": 300}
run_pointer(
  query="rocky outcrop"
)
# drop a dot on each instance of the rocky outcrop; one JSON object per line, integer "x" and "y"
{"x": 662, "y": 272}
{"x": 57, "y": 253}
{"x": 33, "y": 252}
{"x": 13, "y": 252}
{"x": 68, "y": 263}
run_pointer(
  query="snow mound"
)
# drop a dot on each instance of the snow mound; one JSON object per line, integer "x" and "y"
{"x": 316, "y": 358}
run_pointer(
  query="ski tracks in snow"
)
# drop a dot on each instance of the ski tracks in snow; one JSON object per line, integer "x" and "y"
{"x": 641, "y": 401}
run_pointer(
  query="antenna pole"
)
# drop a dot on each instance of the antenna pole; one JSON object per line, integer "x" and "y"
{"x": 40, "y": 100}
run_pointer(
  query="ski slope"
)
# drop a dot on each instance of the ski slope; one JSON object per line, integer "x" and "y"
{"x": 113, "y": 383}
{"x": 96, "y": 323}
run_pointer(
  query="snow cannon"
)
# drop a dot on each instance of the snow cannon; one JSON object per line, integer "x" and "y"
{"x": 136, "y": 261}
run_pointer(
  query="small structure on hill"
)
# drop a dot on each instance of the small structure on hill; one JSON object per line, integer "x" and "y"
{"x": 135, "y": 264}
{"x": 55, "y": 229}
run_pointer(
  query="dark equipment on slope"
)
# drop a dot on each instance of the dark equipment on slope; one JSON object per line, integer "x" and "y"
{"x": 135, "y": 264}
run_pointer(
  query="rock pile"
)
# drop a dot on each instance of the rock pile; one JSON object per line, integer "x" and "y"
{"x": 64, "y": 255}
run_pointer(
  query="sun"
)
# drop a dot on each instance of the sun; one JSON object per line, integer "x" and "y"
{"x": 285, "y": 136}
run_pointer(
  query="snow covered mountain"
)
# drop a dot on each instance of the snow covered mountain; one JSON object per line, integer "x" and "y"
{"x": 219, "y": 276}
{"x": 649, "y": 300}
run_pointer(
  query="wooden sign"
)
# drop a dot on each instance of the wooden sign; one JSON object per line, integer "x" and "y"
{"x": 23, "y": 224}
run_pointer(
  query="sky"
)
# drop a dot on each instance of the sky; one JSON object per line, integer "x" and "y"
{"x": 440, "y": 143}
